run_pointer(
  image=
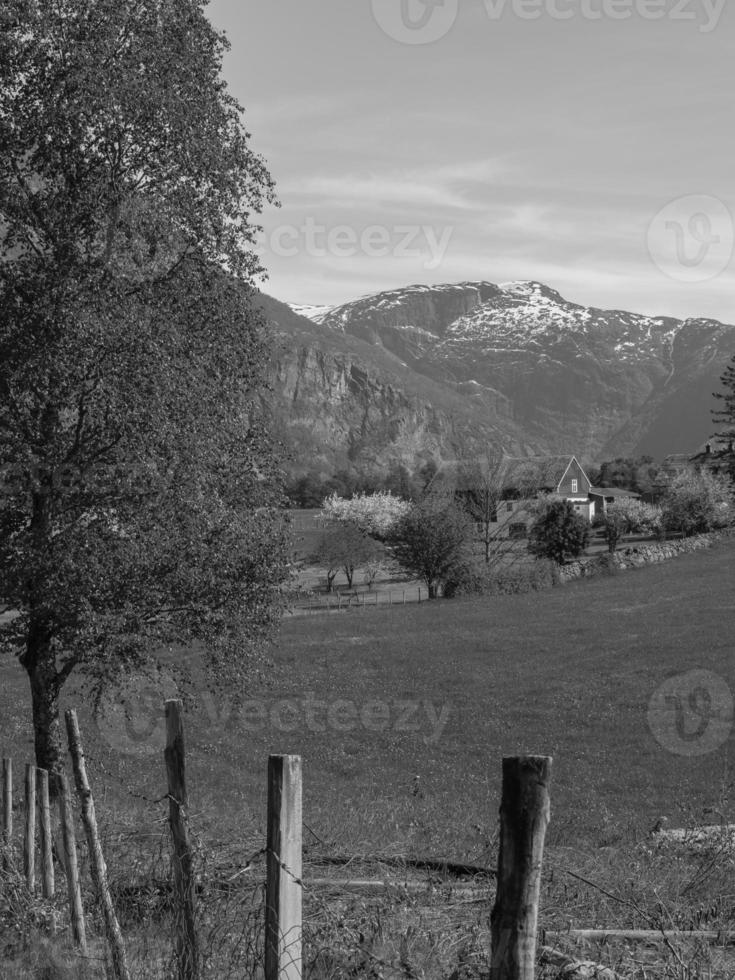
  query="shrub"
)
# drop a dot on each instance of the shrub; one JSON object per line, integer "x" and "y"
{"x": 558, "y": 533}
{"x": 476, "y": 578}
{"x": 637, "y": 517}
{"x": 697, "y": 502}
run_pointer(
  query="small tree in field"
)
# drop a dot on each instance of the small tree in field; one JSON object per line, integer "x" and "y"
{"x": 431, "y": 541}
{"x": 480, "y": 489}
{"x": 559, "y": 532}
{"x": 614, "y": 526}
{"x": 345, "y": 547}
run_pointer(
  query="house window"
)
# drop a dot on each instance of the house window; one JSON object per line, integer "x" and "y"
{"x": 575, "y": 486}
{"x": 517, "y": 531}
{"x": 509, "y": 506}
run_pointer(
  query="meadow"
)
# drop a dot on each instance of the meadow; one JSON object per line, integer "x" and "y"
{"x": 402, "y": 717}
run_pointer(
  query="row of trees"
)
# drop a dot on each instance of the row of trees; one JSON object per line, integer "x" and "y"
{"x": 434, "y": 538}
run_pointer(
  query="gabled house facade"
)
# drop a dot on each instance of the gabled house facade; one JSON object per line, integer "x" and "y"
{"x": 518, "y": 483}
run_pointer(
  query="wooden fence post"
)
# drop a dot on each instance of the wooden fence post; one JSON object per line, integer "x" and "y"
{"x": 524, "y": 815}
{"x": 97, "y": 864}
{"x": 29, "y": 828}
{"x": 47, "y": 852}
{"x": 283, "y": 885}
{"x": 7, "y": 809}
{"x": 187, "y": 951}
{"x": 71, "y": 865}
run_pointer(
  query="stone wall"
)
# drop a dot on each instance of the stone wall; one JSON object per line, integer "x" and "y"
{"x": 638, "y": 555}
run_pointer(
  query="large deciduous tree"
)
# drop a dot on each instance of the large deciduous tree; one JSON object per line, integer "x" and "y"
{"x": 140, "y": 500}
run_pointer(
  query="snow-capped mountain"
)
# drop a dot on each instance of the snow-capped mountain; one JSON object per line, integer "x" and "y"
{"x": 429, "y": 371}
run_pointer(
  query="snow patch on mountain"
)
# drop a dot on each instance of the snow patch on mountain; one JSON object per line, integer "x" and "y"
{"x": 314, "y": 313}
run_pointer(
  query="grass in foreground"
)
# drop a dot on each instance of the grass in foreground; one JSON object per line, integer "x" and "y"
{"x": 402, "y": 717}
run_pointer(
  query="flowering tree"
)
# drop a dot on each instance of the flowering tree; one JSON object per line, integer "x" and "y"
{"x": 698, "y": 502}
{"x": 376, "y": 514}
{"x": 636, "y": 517}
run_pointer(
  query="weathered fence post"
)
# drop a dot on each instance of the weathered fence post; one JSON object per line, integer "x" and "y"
{"x": 97, "y": 864}
{"x": 71, "y": 865}
{"x": 47, "y": 850}
{"x": 29, "y": 828}
{"x": 283, "y": 887}
{"x": 187, "y": 951}
{"x": 7, "y": 809}
{"x": 524, "y": 815}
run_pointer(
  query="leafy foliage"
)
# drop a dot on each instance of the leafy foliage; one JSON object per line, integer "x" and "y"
{"x": 636, "y": 516}
{"x": 637, "y": 473}
{"x": 725, "y": 416}
{"x": 696, "y": 502}
{"x": 614, "y": 526}
{"x": 431, "y": 541}
{"x": 344, "y": 546}
{"x": 558, "y": 533}
{"x": 139, "y": 501}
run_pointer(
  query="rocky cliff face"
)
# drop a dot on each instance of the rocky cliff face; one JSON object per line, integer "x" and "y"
{"x": 433, "y": 372}
{"x": 344, "y": 402}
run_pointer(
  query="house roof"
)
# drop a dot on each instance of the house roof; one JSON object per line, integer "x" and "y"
{"x": 537, "y": 471}
{"x": 531, "y": 473}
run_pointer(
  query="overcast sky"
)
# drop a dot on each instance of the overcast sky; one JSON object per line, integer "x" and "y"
{"x": 492, "y": 139}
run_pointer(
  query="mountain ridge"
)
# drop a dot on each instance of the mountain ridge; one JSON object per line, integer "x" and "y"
{"x": 510, "y": 366}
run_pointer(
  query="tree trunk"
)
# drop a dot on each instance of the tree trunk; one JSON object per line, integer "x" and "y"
{"x": 45, "y": 688}
{"x": 349, "y": 571}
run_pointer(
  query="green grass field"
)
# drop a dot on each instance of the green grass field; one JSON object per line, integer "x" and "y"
{"x": 402, "y": 715}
